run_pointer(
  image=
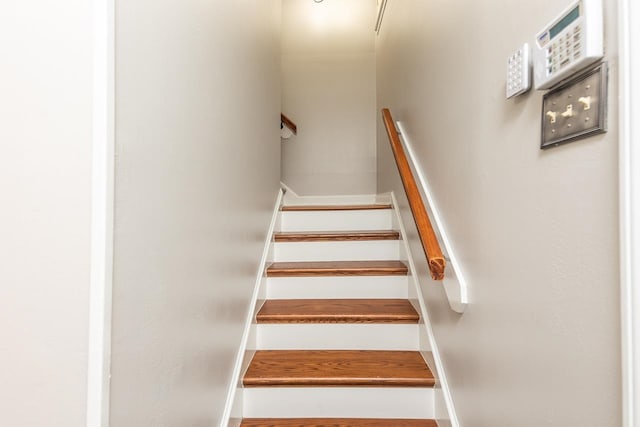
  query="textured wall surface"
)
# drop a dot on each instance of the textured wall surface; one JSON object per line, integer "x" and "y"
{"x": 328, "y": 89}
{"x": 45, "y": 221}
{"x": 197, "y": 172}
{"x": 535, "y": 231}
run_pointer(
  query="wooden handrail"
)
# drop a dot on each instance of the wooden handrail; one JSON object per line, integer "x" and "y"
{"x": 428, "y": 237}
{"x": 289, "y": 123}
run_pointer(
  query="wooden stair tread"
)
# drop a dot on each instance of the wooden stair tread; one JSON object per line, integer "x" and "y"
{"x": 299, "y": 368}
{"x": 323, "y": 236}
{"x": 335, "y": 422}
{"x": 338, "y": 311}
{"x": 359, "y": 207}
{"x": 337, "y": 268}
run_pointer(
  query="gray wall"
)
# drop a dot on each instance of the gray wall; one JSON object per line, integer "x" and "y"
{"x": 197, "y": 172}
{"x": 536, "y": 231}
{"x": 328, "y": 89}
{"x": 45, "y": 220}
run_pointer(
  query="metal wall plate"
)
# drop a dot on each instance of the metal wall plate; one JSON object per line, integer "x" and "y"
{"x": 576, "y": 109}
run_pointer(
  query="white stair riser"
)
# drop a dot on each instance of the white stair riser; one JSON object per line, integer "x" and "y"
{"x": 337, "y": 251}
{"x": 377, "y": 219}
{"x": 337, "y": 337}
{"x": 337, "y": 287}
{"x": 342, "y": 402}
{"x": 364, "y": 199}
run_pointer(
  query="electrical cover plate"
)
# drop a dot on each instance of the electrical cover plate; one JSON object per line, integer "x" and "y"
{"x": 577, "y": 109}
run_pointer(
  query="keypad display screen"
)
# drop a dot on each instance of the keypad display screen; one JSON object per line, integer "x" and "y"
{"x": 564, "y": 22}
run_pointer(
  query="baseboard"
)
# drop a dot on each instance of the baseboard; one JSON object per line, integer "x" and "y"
{"x": 444, "y": 407}
{"x": 233, "y": 407}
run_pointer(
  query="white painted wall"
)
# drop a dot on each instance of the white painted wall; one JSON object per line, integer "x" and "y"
{"x": 328, "y": 89}
{"x": 45, "y": 221}
{"x": 536, "y": 231}
{"x": 197, "y": 174}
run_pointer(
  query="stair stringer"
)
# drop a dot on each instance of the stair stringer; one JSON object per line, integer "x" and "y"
{"x": 233, "y": 411}
{"x": 444, "y": 407}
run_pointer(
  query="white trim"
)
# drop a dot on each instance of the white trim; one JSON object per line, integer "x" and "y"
{"x": 454, "y": 283}
{"x": 248, "y": 327}
{"x": 102, "y": 206}
{"x": 382, "y": 5}
{"x": 629, "y": 165}
{"x": 288, "y": 190}
{"x": 442, "y": 393}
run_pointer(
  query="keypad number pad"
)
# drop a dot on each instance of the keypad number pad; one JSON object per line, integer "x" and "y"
{"x": 519, "y": 72}
{"x": 564, "y": 51}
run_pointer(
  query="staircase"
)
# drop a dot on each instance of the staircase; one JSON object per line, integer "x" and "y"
{"x": 337, "y": 338}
